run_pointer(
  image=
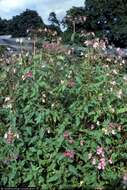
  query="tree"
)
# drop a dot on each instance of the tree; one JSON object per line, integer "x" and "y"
{"x": 74, "y": 22}
{"x": 19, "y": 24}
{"x": 75, "y": 15}
{"x": 108, "y": 18}
{"x": 3, "y": 26}
{"x": 53, "y": 19}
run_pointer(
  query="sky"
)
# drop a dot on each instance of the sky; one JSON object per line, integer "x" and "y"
{"x": 9, "y": 8}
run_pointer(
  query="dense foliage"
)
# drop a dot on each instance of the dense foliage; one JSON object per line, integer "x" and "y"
{"x": 109, "y": 18}
{"x": 63, "y": 122}
{"x": 18, "y": 25}
{"x": 105, "y": 18}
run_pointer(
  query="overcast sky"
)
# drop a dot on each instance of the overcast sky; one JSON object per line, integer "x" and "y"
{"x": 9, "y": 8}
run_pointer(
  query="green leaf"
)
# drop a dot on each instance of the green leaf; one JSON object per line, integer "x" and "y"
{"x": 122, "y": 110}
{"x": 73, "y": 170}
{"x": 53, "y": 178}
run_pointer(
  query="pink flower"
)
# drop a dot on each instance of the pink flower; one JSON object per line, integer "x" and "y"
{"x": 102, "y": 164}
{"x": 81, "y": 142}
{"x": 69, "y": 154}
{"x": 27, "y": 75}
{"x": 92, "y": 126}
{"x": 100, "y": 151}
{"x": 125, "y": 178}
{"x": 110, "y": 161}
{"x": 66, "y": 135}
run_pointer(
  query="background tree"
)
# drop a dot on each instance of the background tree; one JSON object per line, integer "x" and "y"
{"x": 74, "y": 22}
{"x": 53, "y": 19}
{"x": 108, "y": 18}
{"x": 19, "y": 24}
{"x": 3, "y": 26}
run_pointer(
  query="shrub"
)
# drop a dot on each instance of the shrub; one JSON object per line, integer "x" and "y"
{"x": 63, "y": 123}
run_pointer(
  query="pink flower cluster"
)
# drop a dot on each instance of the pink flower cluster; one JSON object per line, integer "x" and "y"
{"x": 69, "y": 154}
{"x": 55, "y": 47}
{"x": 68, "y": 137}
{"x": 96, "y": 43}
{"x": 10, "y": 136}
{"x": 125, "y": 179}
{"x": 102, "y": 164}
{"x": 87, "y": 34}
{"x": 100, "y": 156}
{"x": 120, "y": 52}
{"x": 113, "y": 127}
{"x": 27, "y": 75}
{"x": 100, "y": 151}
{"x": 79, "y": 19}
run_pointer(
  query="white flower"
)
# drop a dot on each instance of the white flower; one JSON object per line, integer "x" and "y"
{"x": 48, "y": 131}
{"x": 107, "y": 74}
{"x": 7, "y": 99}
{"x": 111, "y": 89}
{"x": 112, "y": 110}
{"x": 53, "y": 105}
{"x": 44, "y": 95}
{"x": 21, "y": 40}
{"x": 5, "y": 135}
{"x": 94, "y": 161}
{"x": 125, "y": 77}
{"x": 100, "y": 97}
{"x": 123, "y": 61}
{"x": 98, "y": 123}
{"x": 45, "y": 29}
{"x": 7, "y": 106}
{"x": 89, "y": 155}
{"x": 43, "y": 100}
{"x": 17, "y": 40}
{"x": 14, "y": 70}
{"x": 27, "y": 30}
{"x": 113, "y": 83}
{"x": 113, "y": 132}
{"x": 62, "y": 81}
{"x": 105, "y": 131}
{"x": 119, "y": 94}
{"x": 106, "y": 66}
{"x": 81, "y": 182}
{"x": 23, "y": 77}
{"x": 70, "y": 72}
{"x": 16, "y": 135}
{"x": 69, "y": 52}
{"x": 115, "y": 71}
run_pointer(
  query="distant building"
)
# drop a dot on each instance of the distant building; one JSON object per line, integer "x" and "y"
{"x": 15, "y": 44}
{"x": 5, "y": 36}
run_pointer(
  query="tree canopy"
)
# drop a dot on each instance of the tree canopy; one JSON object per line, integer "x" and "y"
{"x": 109, "y": 18}
{"x": 105, "y": 18}
{"x": 18, "y": 25}
{"x": 29, "y": 19}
